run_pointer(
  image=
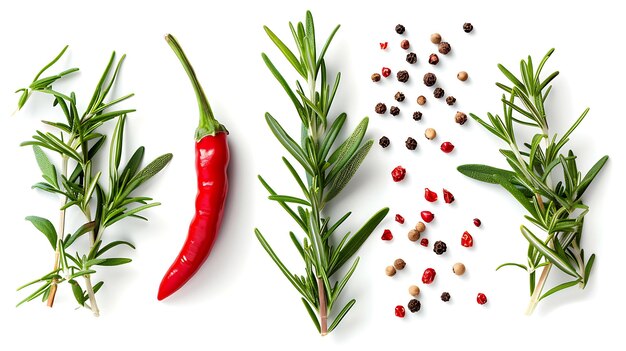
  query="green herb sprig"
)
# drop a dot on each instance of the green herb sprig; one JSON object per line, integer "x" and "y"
{"x": 557, "y": 208}
{"x": 77, "y": 141}
{"x": 327, "y": 172}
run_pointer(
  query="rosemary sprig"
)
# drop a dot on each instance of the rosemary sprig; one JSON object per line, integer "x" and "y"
{"x": 327, "y": 173}
{"x": 555, "y": 208}
{"x": 77, "y": 142}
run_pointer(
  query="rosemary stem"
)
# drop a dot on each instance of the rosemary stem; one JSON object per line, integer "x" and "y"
{"x": 92, "y": 296}
{"x": 57, "y": 251}
{"x": 534, "y": 299}
{"x": 323, "y": 311}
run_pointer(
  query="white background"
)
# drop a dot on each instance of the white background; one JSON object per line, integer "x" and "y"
{"x": 239, "y": 298}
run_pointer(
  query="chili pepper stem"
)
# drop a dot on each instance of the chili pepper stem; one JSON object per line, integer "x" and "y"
{"x": 57, "y": 253}
{"x": 323, "y": 309}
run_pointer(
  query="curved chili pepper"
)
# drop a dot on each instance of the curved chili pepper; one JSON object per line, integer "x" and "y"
{"x": 212, "y": 157}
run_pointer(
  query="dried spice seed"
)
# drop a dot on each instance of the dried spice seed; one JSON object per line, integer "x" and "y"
{"x": 411, "y": 58}
{"x": 430, "y": 195}
{"x": 400, "y": 29}
{"x": 417, "y": 116}
{"x": 411, "y": 143}
{"x": 462, "y": 76}
{"x": 450, "y": 100}
{"x": 477, "y": 222}
{"x": 420, "y": 227}
{"x": 429, "y": 276}
{"x": 400, "y": 311}
{"x": 424, "y": 242}
{"x": 384, "y": 141}
{"x": 398, "y": 173}
{"x": 447, "y": 147}
{"x": 468, "y": 27}
{"x": 380, "y": 108}
{"x": 399, "y": 264}
{"x": 448, "y": 197}
{"x": 435, "y": 38}
{"x": 375, "y": 77}
{"x": 405, "y": 44}
{"x": 430, "y": 79}
{"x": 414, "y": 290}
{"x": 387, "y": 235}
{"x": 438, "y": 93}
{"x": 430, "y": 133}
{"x": 460, "y": 117}
{"x": 444, "y": 47}
{"x": 399, "y": 219}
{"x": 383, "y": 46}
{"x": 467, "y": 240}
{"x": 458, "y": 268}
{"x": 440, "y": 247}
{"x": 399, "y": 96}
{"x": 433, "y": 59}
{"x": 421, "y": 100}
{"x": 481, "y": 299}
{"x": 386, "y": 72}
{"x": 394, "y": 110}
{"x": 414, "y": 235}
{"x": 390, "y": 271}
{"x": 445, "y": 296}
{"x": 427, "y": 216}
{"x": 403, "y": 76}
{"x": 414, "y": 305}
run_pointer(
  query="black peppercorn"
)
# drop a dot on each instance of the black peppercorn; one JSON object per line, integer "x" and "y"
{"x": 384, "y": 141}
{"x": 411, "y": 58}
{"x": 440, "y": 247}
{"x": 460, "y": 117}
{"x": 414, "y": 305}
{"x": 394, "y": 110}
{"x": 450, "y": 100}
{"x": 403, "y": 76}
{"x": 444, "y": 47}
{"x": 417, "y": 115}
{"x": 438, "y": 92}
{"x": 399, "y": 96}
{"x": 467, "y": 27}
{"x": 430, "y": 79}
{"x": 375, "y": 77}
{"x": 433, "y": 59}
{"x": 380, "y": 108}
{"x": 445, "y": 296}
{"x": 400, "y": 29}
{"x": 411, "y": 143}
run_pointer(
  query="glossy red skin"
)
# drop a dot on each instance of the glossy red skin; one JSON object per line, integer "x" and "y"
{"x": 212, "y": 156}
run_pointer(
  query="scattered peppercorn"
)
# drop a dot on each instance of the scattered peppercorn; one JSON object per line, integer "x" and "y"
{"x": 481, "y": 299}
{"x": 477, "y": 222}
{"x": 448, "y": 197}
{"x": 460, "y": 117}
{"x": 424, "y": 242}
{"x": 383, "y": 46}
{"x": 468, "y": 27}
{"x": 398, "y": 173}
{"x": 430, "y": 133}
{"x": 417, "y": 115}
{"x": 411, "y": 58}
{"x": 433, "y": 59}
{"x": 399, "y": 311}
{"x": 420, "y": 227}
{"x": 447, "y": 147}
{"x": 399, "y": 96}
{"x": 414, "y": 305}
{"x": 387, "y": 235}
{"x": 403, "y": 76}
{"x": 414, "y": 290}
{"x": 414, "y": 235}
{"x": 405, "y": 44}
{"x": 435, "y": 38}
{"x": 438, "y": 93}
{"x": 400, "y": 29}
{"x": 386, "y": 72}
{"x": 444, "y": 47}
{"x": 458, "y": 268}
{"x": 462, "y": 76}
{"x": 445, "y": 296}
{"x": 394, "y": 110}
{"x": 467, "y": 240}
{"x": 450, "y": 100}
{"x": 440, "y": 247}
{"x": 399, "y": 219}
{"x": 390, "y": 271}
{"x": 399, "y": 264}
{"x": 384, "y": 141}
{"x": 421, "y": 100}
{"x": 375, "y": 77}
{"x": 429, "y": 276}
{"x": 411, "y": 143}
{"x": 380, "y": 108}
{"x": 430, "y": 195}
{"x": 427, "y": 216}
{"x": 430, "y": 79}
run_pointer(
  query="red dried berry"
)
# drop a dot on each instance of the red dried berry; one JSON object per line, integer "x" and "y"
{"x": 429, "y": 276}
{"x": 386, "y": 72}
{"x": 399, "y": 219}
{"x": 424, "y": 242}
{"x": 448, "y": 197}
{"x": 383, "y": 46}
{"x": 477, "y": 222}
{"x": 400, "y": 312}
{"x": 398, "y": 173}
{"x": 430, "y": 195}
{"x": 467, "y": 240}
{"x": 481, "y": 299}
{"x": 447, "y": 147}
{"x": 427, "y": 216}
{"x": 387, "y": 235}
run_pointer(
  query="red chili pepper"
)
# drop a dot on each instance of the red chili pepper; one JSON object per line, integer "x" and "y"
{"x": 427, "y": 216}
{"x": 430, "y": 195}
{"x": 467, "y": 240}
{"x": 387, "y": 235}
{"x": 383, "y": 45}
{"x": 212, "y": 157}
{"x": 448, "y": 197}
{"x": 399, "y": 219}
